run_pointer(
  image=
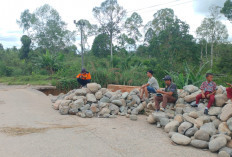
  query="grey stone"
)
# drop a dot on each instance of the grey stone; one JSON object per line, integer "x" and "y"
{"x": 117, "y": 102}
{"x": 202, "y": 135}
{"x": 77, "y": 104}
{"x": 164, "y": 121}
{"x": 65, "y": 102}
{"x": 179, "y": 110}
{"x": 223, "y": 154}
{"x": 98, "y": 95}
{"x": 184, "y": 127}
{"x": 124, "y": 95}
{"x": 158, "y": 115}
{"x": 63, "y": 110}
{"x": 91, "y": 98}
{"x": 135, "y": 111}
{"x": 136, "y": 98}
{"x": 89, "y": 113}
{"x": 227, "y": 150}
{"x": 217, "y": 144}
{"x": 123, "y": 109}
{"x": 226, "y": 112}
{"x": 108, "y": 95}
{"x": 199, "y": 144}
{"x": 229, "y": 123}
{"x": 85, "y": 107}
{"x": 114, "y": 109}
{"x": 106, "y": 115}
{"x": 180, "y": 101}
{"x": 220, "y": 99}
{"x": 216, "y": 123}
{"x": 192, "y": 97}
{"x": 80, "y": 92}
{"x": 151, "y": 119}
{"x": 189, "y": 109}
{"x": 210, "y": 128}
{"x": 214, "y": 111}
{"x": 191, "y": 131}
{"x": 93, "y": 87}
{"x": 133, "y": 117}
{"x": 188, "y": 119}
{"x": 112, "y": 116}
{"x": 105, "y": 99}
{"x": 190, "y": 88}
{"x": 171, "y": 126}
{"x": 180, "y": 139}
{"x": 104, "y": 111}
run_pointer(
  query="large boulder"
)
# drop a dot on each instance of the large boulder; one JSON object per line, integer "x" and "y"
{"x": 98, "y": 95}
{"x": 93, "y": 87}
{"x": 91, "y": 98}
{"x": 184, "y": 127}
{"x": 214, "y": 111}
{"x": 171, "y": 126}
{"x": 220, "y": 99}
{"x": 223, "y": 128}
{"x": 80, "y": 92}
{"x": 210, "y": 128}
{"x": 229, "y": 123}
{"x": 202, "y": 135}
{"x": 199, "y": 144}
{"x": 216, "y": 144}
{"x": 226, "y": 112}
{"x": 190, "y": 88}
{"x": 180, "y": 139}
{"x": 192, "y": 97}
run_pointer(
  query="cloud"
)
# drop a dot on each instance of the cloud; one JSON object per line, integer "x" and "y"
{"x": 202, "y": 6}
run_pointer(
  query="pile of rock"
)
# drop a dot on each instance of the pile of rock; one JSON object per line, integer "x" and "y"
{"x": 95, "y": 101}
{"x": 187, "y": 125}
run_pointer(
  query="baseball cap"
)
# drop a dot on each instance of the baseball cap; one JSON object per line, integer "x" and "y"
{"x": 167, "y": 77}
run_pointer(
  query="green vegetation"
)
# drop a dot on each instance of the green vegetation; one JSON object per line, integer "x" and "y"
{"x": 120, "y": 53}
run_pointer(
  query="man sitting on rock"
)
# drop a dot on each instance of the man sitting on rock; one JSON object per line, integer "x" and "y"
{"x": 84, "y": 78}
{"x": 151, "y": 86}
{"x": 208, "y": 90}
{"x": 229, "y": 91}
{"x": 169, "y": 95}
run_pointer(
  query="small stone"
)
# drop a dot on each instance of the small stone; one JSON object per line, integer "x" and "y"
{"x": 105, "y": 99}
{"x": 112, "y": 116}
{"x": 158, "y": 125}
{"x": 216, "y": 123}
{"x": 179, "y": 118}
{"x": 199, "y": 144}
{"x": 189, "y": 119}
{"x": 124, "y": 95}
{"x": 80, "y": 92}
{"x": 216, "y": 144}
{"x": 133, "y": 117}
{"x": 135, "y": 111}
{"x": 229, "y": 144}
{"x": 202, "y": 135}
{"x": 189, "y": 109}
{"x": 229, "y": 123}
{"x": 104, "y": 111}
{"x": 179, "y": 110}
{"x": 56, "y": 105}
{"x": 98, "y": 95}
{"x": 164, "y": 121}
{"x": 180, "y": 139}
{"x": 94, "y": 108}
{"x": 114, "y": 109}
{"x": 108, "y": 95}
{"x": 198, "y": 122}
{"x": 190, "y": 88}
{"x": 89, "y": 113}
{"x": 192, "y": 97}
{"x": 64, "y": 110}
{"x": 151, "y": 119}
{"x": 227, "y": 150}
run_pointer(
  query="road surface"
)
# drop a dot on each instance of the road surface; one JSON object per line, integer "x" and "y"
{"x": 29, "y": 127}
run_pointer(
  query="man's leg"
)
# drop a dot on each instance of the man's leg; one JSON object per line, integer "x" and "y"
{"x": 229, "y": 93}
{"x": 211, "y": 101}
{"x": 157, "y": 99}
{"x": 146, "y": 92}
{"x": 168, "y": 98}
{"x": 141, "y": 92}
{"x": 80, "y": 81}
{"x": 198, "y": 98}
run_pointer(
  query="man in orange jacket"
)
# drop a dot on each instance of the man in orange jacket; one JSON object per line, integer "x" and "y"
{"x": 84, "y": 77}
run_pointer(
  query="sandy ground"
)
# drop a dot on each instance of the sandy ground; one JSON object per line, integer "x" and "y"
{"x": 29, "y": 127}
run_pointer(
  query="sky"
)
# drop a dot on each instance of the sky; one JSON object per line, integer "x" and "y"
{"x": 190, "y": 11}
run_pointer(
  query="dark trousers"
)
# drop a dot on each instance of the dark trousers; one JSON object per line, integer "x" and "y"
{"x": 165, "y": 98}
{"x": 83, "y": 82}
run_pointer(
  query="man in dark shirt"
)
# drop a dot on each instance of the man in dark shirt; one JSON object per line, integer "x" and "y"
{"x": 169, "y": 95}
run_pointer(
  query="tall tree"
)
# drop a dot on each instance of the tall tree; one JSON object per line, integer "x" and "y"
{"x": 101, "y": 45}
{"x": 227, "y": 10}
{"x": 213, "y": 29}
{"x": 25, "y": 49}
{"x": 46, "y": 28}
{"x": 132, "y": 25}
{"x": 85, "y": 29}
{"x": 1, "y": 47}
{"x": 110, "y": 15}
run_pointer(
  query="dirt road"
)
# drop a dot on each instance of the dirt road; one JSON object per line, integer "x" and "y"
{"x": 29, "y": 127}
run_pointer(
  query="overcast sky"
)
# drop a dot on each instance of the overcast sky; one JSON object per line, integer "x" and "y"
{"x": 190, "y": 11}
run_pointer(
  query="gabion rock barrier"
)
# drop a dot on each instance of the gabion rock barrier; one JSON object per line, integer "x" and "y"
{"x": 185, "y": 124}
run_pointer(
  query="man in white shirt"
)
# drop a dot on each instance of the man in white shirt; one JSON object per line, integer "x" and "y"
{"x": 151, "y": 86}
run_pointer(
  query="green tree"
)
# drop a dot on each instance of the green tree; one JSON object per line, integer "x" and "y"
{"x": 110, "y": 15}
{"x": 46, "y": 28}
{"x": 132, "y": 25}
{"x": 25, "y": 49}
{"x": 1, "y": 47}
{"x": 227, "y": 10}
{"x": 212, "y": 30}
{"x": 101, "y": 45}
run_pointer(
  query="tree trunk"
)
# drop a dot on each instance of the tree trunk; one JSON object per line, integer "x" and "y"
{"x": 201, "y": 55}
{"x": 206, "y": 53}
{"x": 82, "y": 53}
{"x": 111, "y": 47}
{"x": 211, "y": 55}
